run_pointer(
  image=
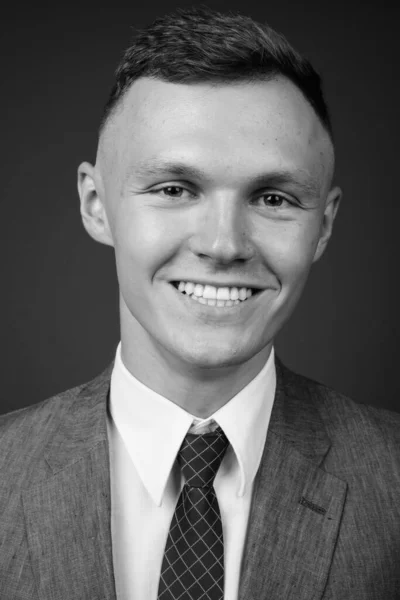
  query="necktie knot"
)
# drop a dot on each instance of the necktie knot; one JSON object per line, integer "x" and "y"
{"x": 200, "y": 457}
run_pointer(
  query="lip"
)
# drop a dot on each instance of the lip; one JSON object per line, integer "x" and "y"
{"x": 219, "y": 284}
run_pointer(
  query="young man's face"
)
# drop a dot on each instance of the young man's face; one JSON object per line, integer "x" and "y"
{"x": 225, "y": 186}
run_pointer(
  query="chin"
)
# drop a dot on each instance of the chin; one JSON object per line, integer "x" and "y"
{"x": 209, "y": 356}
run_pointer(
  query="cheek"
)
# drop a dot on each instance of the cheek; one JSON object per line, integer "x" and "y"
{"x": 143, "y": 240}
{"x": 291, "y": 248}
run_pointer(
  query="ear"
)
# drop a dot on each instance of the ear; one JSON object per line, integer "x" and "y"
{"x": 93, "y": 213}
{"x": 331, "y": 208}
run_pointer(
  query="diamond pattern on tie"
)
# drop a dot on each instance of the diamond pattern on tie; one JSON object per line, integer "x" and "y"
{"x": 193, "y": 564}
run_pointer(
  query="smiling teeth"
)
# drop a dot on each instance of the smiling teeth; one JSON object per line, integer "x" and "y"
{"x": 213, "y": 296}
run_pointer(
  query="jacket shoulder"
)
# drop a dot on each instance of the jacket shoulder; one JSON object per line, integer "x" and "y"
{"x": 360, "y": 430}
{"x": 19, "y": 425}
{"x": 25, "y": 433}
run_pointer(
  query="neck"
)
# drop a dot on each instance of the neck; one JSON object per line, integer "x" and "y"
{"x": 199, "y": 391}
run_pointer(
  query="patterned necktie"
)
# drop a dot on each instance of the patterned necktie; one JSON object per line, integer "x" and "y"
{"x": 193, "y": 564}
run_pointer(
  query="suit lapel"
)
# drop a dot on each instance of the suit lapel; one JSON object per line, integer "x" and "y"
{"x": 68, "y": 514}
{"x": 297, "y": 506}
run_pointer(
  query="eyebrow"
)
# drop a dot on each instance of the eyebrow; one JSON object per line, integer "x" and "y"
{"x": 299, "y": 177}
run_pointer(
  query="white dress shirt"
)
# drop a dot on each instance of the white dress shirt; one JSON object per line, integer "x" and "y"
{"x": 145, "y": 432}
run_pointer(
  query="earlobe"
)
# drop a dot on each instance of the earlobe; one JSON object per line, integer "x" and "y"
{"x": 93, "y": 213}
{"x": 331, "y": 209}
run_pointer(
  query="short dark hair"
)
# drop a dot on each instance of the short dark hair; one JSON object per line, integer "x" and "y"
{"x": 197, "y": 44}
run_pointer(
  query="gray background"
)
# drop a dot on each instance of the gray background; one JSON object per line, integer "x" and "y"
{"x": 59, "y": 300}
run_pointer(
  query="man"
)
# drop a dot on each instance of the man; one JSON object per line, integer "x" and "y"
{"x": 197, "y": 465}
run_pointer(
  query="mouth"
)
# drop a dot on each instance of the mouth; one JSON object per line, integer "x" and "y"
{"x": 216, "y": 297}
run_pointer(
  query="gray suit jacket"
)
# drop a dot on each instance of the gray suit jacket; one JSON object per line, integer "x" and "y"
{"x": 325, "y": 517}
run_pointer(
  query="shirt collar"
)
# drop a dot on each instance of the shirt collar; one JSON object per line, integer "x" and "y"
{"x": 153, "y": 428}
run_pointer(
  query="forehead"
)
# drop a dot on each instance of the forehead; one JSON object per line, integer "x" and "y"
{"x": 227, "y": 129}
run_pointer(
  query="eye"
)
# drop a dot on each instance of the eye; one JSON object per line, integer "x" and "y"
{"x": 174, "y": 191}
{"x": 177, "y": 192}
{"x": 274, "y": 200}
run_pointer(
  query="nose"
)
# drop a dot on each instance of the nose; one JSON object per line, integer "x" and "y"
{"x": 221, "y": 232}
